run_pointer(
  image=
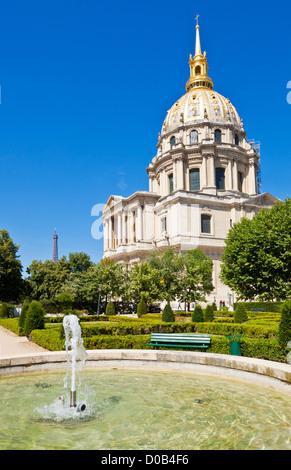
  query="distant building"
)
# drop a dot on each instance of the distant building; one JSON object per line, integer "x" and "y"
{"x": 204, "y": 178}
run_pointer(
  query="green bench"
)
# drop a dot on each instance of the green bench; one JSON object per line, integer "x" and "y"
{"x": 174, "y": 340}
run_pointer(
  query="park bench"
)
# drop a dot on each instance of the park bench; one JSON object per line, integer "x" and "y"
{"x": 174, "y": 340}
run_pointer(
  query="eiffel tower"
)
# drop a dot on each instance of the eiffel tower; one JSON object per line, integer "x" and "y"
{"x": 55, "y": 247}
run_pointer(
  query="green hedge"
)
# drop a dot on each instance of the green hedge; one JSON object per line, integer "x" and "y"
{"x": 265, "y": 306}
{"x": 10, "y": 324}
{"x": 251, "y": 331}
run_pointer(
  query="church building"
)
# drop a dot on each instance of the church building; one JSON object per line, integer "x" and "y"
{"x": 204, "y": 178}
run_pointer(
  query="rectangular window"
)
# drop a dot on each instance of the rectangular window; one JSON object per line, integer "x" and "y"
{"x": 220, "y": 178}
{"x": 171, "y": 184}
{"x": 164, "y": 224}
{"x": 205, "y": 223}
{"x": 194, "y": 179}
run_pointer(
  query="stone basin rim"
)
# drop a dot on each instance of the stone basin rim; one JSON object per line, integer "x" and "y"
{"x": 269, "y": 373}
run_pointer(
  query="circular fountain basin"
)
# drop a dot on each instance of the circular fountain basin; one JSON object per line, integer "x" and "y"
{"x": 146, "y": 400}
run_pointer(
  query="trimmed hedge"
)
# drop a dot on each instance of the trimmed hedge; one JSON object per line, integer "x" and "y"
{"x": 265, "y": 306}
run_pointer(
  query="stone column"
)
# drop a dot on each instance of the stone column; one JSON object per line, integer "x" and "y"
{"x": 235, "y": 176}
{"x": 123, "y": 227}
{"x": 178, "y": 174}
{"x": 139, "y": 223}
{"x": 252, "y": 178}
{"x": 230, "y": 175}
{"x": 212, "y": 181}
{"x": 105, "y": 234}
{"x": 109, "y": 233}
{"x": 204, "y": 172}
{"x": 119, "y": 228}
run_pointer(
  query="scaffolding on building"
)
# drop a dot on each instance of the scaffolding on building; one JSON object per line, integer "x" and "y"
{"x": 257, "y": 148}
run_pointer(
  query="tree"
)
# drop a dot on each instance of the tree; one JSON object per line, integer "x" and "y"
{"x": 141, "y": 308}
{"x": 79, "y": 262}
{"x": 11, "y": 282}
{"x": 110, "y": 308}
{"x": 168, "y": 314}
{"x": 168, "y": 267}
{"x": 34, "y": 318}
{"x": 196, "y": 278}
{"x": 22, "y": 316}
{"x": 285, "y": 323}
{"x": 143, "y": 282}
{"x": 240, "y": 314}
{"x": 209, "y": 313}
{"x": 256, "y": 262}
{"x": 47, "y": 278}
{"x": 197, "y": 315}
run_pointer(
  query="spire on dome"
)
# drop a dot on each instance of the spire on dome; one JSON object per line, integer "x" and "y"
{"x": 198, "y": 66}
{"x": 197, "y": 45}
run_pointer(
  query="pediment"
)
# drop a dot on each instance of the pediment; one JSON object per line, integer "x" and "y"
{"x": 264, "y": 200}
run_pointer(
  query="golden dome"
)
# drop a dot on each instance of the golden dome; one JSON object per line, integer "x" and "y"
{"x": 201, "y": 101}
{"x": 199, "y": 104}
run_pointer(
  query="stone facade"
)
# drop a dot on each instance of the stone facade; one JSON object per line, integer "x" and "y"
{"x": 202, "y": 180}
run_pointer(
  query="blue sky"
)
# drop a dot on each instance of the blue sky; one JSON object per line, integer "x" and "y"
{"x": 85, "y": 87}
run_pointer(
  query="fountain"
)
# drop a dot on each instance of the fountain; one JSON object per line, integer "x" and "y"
{"x": 74, "y": 342}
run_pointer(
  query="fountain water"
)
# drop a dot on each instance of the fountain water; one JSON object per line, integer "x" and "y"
{"x": 74, "y": 342}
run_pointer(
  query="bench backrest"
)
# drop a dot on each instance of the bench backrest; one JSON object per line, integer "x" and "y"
{"x": 180, "y": 338}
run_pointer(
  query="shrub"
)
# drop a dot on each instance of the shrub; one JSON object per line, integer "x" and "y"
{"x": 4, "y": 310}
{"x": 198, "y": 314}
{"x": 22, "y": 316}
{"x": 240, "y": 314}
{"x": 34, "y": 318}
{"x": 110, "y": 308}
{"x": 64, "y": 301}
{"x": 168, "y": 314}
{"x": 209, "y": 313}
{"x": 285, "y": 323}
{"x": 141, "y": 308}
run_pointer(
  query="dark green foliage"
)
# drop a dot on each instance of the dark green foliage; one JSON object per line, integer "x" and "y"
{"x": 209, "y": 313}
{"x": 22, "y": 316}
{"x": 168, "y": 314}
{"x": 240, "y": 314}
{"x": 198, "y": 314}
{"x": 141, "y": 308}
{"x": 285, "y": 323}
{"x": 4, "y": 310}
{"x": 261, "y": 306}
{"x": 256, "y": 261}
{"x": 34, "y": 318}
{"x": 110, "y": 308}
{"x": 11, "y": 282}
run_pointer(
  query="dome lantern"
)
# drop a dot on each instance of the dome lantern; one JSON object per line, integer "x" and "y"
{"x": 198, "y": 66}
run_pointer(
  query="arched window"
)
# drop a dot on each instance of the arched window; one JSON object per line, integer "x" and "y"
{"x": 220, "y": 178}
{"x": 173, "y": 141}
{"x": 236, "y": 141}
{"x": 198, "y": 70}
{"x": 217, "y": 135}
{"x": 205, "y": 223}
{"x": 194, "y": 179}
{"x": 193, "y": 137}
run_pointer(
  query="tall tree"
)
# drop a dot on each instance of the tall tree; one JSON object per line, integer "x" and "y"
{"x": 256, "y": 262}
{"x": 196, "y": 278}
{"x": 143, "y": 282}
{"x": 168, "y": 266}
{"x": 11, "y": 282}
